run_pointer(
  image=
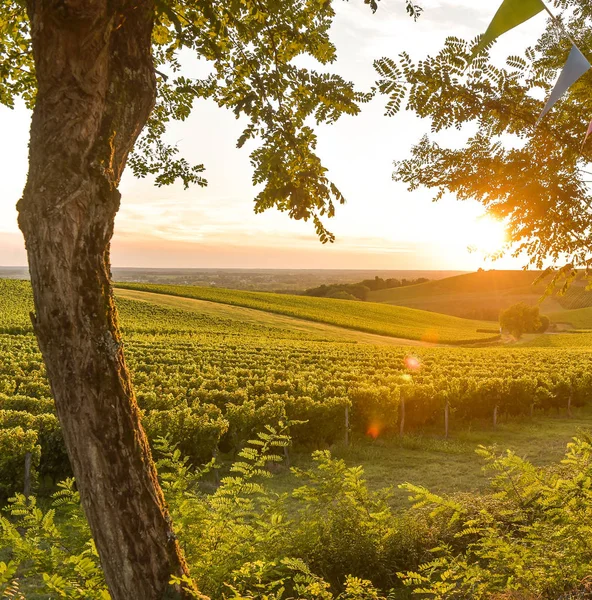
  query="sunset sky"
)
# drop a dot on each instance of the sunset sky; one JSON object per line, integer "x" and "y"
{"x": 382, "y": 226}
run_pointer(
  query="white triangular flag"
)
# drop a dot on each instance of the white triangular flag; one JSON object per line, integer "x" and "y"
{"x": 577, "y": 64}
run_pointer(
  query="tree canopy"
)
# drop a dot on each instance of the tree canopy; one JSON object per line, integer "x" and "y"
{"x": 521, "y": 318}
{"x": 535, "y": 178}
{"x": 252, "y": 47}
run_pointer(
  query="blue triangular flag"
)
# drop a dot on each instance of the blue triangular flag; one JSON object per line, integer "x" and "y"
{"x": 577, "y": 64}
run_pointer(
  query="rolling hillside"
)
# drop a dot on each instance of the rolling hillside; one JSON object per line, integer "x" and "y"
{"x": 369, "y": 317}
{"x": 156, "y": 314}
{"x": 580, "y": 318}
{"x": 483, "y": 294}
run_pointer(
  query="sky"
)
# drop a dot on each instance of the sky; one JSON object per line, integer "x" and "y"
{"x": 382, "y": 226}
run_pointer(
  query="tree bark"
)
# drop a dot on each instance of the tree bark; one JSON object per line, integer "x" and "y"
{"x": 96, "y": 89}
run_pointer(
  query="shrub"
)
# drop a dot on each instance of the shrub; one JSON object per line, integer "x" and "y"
{"x": 531, "y": 537}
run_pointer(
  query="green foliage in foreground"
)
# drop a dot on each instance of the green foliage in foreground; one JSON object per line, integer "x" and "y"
{"x": 332, "y": 537}
{"x": 382, "y": 319}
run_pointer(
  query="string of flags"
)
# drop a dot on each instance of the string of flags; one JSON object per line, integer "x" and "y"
{"x": 513, "y": 13}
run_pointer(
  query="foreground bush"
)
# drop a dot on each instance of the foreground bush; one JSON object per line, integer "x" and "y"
{"x": 532, "y": 536}
{"x": 332, "y": 538}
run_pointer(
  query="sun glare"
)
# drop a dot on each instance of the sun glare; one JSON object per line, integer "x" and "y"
{"x": 488, "y": 235}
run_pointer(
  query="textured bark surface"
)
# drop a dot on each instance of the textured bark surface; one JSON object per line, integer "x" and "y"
{"x": 96, "y": 88}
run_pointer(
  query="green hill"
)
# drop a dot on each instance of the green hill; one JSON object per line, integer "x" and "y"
{"x": 483, "y": 294}
{"x": 369, "y": 317}
{"x": 218, "y": 312}
{"x": 579, "y": 318}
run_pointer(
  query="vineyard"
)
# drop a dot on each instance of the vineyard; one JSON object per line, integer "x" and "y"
{"x": 210, "y": 383}
{"x": 399, "y": 322}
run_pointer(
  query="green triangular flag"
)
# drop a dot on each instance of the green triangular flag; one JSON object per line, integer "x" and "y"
{"x": 509, "y": 15}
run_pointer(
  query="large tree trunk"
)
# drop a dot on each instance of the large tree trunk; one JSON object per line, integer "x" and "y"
{"x": 96, "y": 89}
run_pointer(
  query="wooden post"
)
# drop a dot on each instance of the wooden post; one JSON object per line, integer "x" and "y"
{"x": 495, "y": 416}
{"x": 532, "y": 410}
{"x": 287, "y": 456}
{"x": 27, "y": 486}
{"x": 446, "y": 418}
{"x": 569, "y": 400}
{"x": 215, "y": 454}
{"x": 347, "y": 425}
{"x": 402, "y": 421}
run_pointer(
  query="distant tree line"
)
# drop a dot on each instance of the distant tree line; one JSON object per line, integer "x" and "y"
{"x": 360, "y": 291}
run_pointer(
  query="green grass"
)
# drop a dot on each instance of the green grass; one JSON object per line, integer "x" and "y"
{"x": 483, "y": 294}
{"x": 579, "y": 318}
{"x": 397, "y": 322}
{"x": 559, "y": 340}
{"x": 451, "y": 466}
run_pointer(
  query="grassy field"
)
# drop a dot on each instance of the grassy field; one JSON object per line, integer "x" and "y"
{"x": 484, "y": 294}
{"x": 398, "y": 322}
{"x": 559, "y": 340}
{"x": 451, "y": 466}
{"x": 579, "y": 318}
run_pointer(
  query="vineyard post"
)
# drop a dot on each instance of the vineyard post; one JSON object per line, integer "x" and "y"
{"x": 347, "y": 425}
{"x": 446, "y": 415}
{"x": 402, "y": 421}
{"x": 215, "y": 454}
{"x": 287, "y": 455}
{"x": 569, "y": 400}
{"x": 495, "y": 416}
{"x": 27, "y": 484}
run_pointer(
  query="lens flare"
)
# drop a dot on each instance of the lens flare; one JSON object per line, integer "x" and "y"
{"x": 412, "y": 363}
{"x": 374, "y": 430}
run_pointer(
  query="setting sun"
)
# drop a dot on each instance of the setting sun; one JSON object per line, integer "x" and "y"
{"x": 488, "y": 236}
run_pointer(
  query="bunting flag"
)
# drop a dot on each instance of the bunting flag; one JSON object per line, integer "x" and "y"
{"x": 577, "y": 64}
{"x": 587, "y": 135}
{"x": 509, "y": 15}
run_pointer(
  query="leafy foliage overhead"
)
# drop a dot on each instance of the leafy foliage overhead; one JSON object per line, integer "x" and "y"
{"x": 535, "y": 178}
{"x": 260, "y": 54}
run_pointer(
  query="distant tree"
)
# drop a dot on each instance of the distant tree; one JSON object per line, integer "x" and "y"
{"x": 104, "y": 78}
{"x": 341, "y": 295}
{"x": 521, "y": 318}
{"x": 545, "y": 323}
{"x": 360, "y": 291}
